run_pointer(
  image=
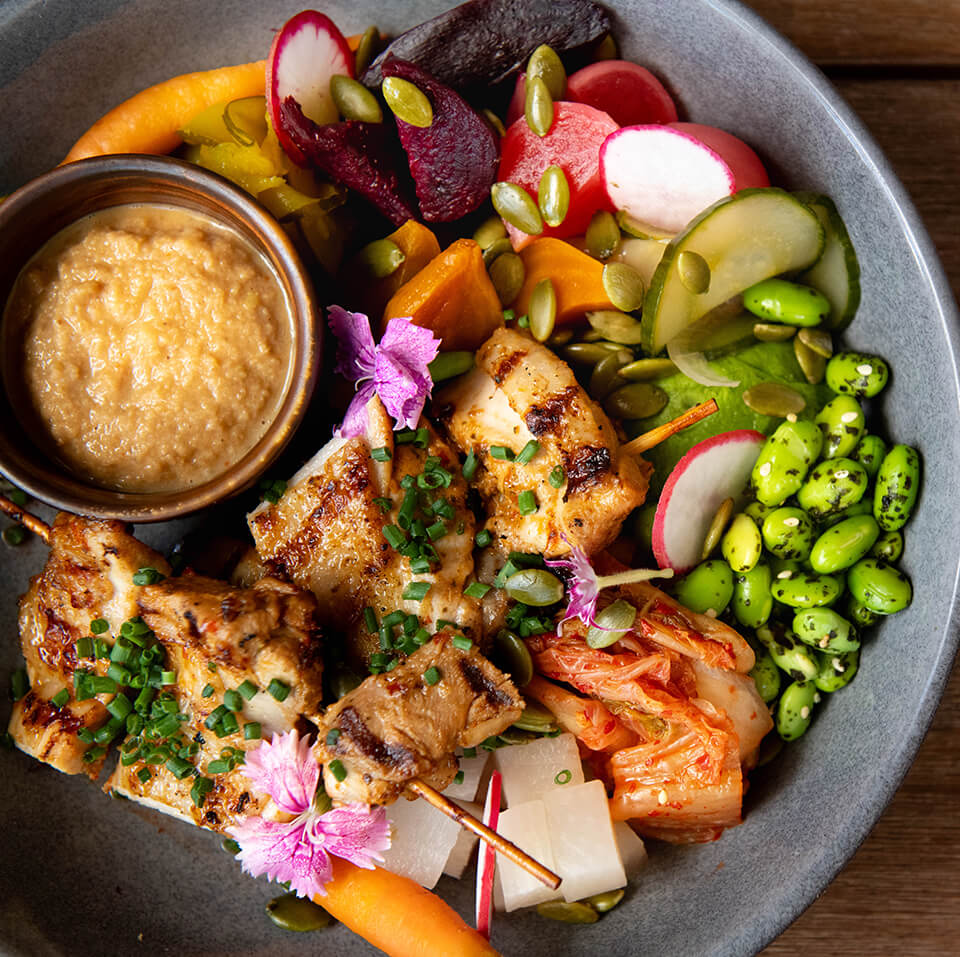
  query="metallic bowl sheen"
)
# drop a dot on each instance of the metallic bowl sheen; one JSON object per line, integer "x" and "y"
{"x": 44, "y": 206}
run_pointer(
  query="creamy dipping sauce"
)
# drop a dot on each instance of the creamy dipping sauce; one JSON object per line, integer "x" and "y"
{"x": 152, "y": 347}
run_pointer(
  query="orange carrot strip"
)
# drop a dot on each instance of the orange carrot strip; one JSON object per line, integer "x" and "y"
{"x": 399, "y": 916}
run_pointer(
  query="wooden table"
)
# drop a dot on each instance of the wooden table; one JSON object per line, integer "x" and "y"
{"x": 897, "y": 62}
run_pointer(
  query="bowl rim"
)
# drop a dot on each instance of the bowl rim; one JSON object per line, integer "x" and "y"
{"x": 239, "y": 212}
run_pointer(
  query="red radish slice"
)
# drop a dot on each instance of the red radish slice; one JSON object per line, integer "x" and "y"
{"x": 487, "y": 859}
{"x": 573, "y": 144}
{"x": 712, "y": 471}
{"x": 518, "y": 100}
{"x": 748, "y": 171}
{"x": 630, "y": 93}
{"x": 306, "y": 53}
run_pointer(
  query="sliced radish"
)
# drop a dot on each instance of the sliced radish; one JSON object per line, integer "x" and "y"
{"x": 306, "y": 52}
{"x": 712, "y": 471}
{"x": 487, "y": 859}
{"x": 748, "y": 171}
{"x": 630, "y": 93}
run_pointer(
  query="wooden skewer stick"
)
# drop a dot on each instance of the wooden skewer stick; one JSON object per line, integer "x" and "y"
{"x": 498, "y": 843}
{"x": 655, "y": 436}
{"x": 36, "y": 525}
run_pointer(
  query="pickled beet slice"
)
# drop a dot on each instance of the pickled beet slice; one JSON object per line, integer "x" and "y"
{"x": 482, "y": 42}
{"x": 454, "y": 160}
{"x": 360, "y": 156}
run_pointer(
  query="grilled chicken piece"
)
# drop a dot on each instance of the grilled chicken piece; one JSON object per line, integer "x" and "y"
{"x": 398, "y": 726}
{"x": 88, "y": 575}
{"x": 326, "y": 534}
{"x": 521, "y": 391}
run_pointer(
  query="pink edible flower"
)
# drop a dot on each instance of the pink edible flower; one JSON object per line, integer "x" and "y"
{"x": 396, "y": 369}
{"x": 298, "y": 851}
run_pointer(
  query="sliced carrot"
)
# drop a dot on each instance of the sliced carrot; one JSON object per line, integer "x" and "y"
{"x": 576, "y": 277}
{"x": 399, "y": 916}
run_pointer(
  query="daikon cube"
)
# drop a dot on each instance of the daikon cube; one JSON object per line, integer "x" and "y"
{"x": 422, "y": 841}
{"x": 473, "y": 769}
{"x": 632, "y": 852}
{"x": 581, "y": 835}
{"x": 532, "y": 770}
{"x": 462, "y": 850}
{"x": 526, "y": 826}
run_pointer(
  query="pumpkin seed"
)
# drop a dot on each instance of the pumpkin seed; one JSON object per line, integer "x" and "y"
{"x": 773, "y": 332}
{"x": 572, "y": 913}
{"x": 536, "y": 718}
{"x": 538, "y": 106}
{"x": 694, "y": 272}
{"x": 638, "y": 229}
{"x": 545, "y": 64}
{"x": 354, "y": 101}
{"x": 553, "y": 195}
{"x": 717, "y": 527}
{"x": 447, "y": 365}
{"x": 601, "y": 903}
{"x": 408, "y": 102}
{"x": 819, "y": 340}
{"x": 615, "y": 326}
{"x": 772, "y": 398}
{"x": 228, "y": 844}
{"x": 813, "y": 364}
{"x": 611, "y": 624}
{"x": 637, "y": 400}
{"x": 489, "y": 231}
{"x": 603, "y": 235}
{"x": 534, "y": 586}
{"x": 623, "y": 285}
{"x": 297, "y": 913}
{"x": 589, "y": 353}
{"x": 513, "y": 655}
{"x": 560, "y": 338}
{"x": 381, "y": 258}
{"x": 606, "y": 49}
{"x": 507, "y": 275}
{"x": 515, "y": 205}
{"x": 366, "y": 50}
{"x": 605, "y": 377}
{"x": 495, "y": 122}
{"x": 643, "y": 370}
{"x": 497, "y": 248}
{"x": 342, "y": 681}
{"x": 542, "y": 310}
{"x": 591, "y": 335}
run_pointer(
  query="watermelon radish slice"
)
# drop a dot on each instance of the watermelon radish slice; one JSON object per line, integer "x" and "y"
{"x": 712, "y": 471}
{"x": 630, "y": 93}
{"x": 306, "y": 52}
{"x": 487, "y": 859}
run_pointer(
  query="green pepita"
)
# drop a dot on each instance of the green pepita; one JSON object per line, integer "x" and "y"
{"x": 636, "y": 400}
{"x": 612, "y": 623}
{"x": 408, "y": 103}
{"x": 773, "y": 398}
{"x": 354, "y": 101}
{"x": 606, "y": 49}
{"x": 538, "y": 106}
{"x": 489, "y": 231}
{"x": 812, "y": 364}
{"x": 819, "y": 340}
{"x": 603, "y": 235}
{"x": 297, "y": 913}
{"x": 553, "y": 196}
{"x": 366, "y": 50}
{"x": 542, "y": 310}
{"x": 606, "y": 374}
{"x": 513, "y": 656}
{"x": 694, "y": 272}
{"x": 494, "y": 121}
{"x": 534, "y": 586}
{"x": 615, "y": 326}
{"x": 623, "y": 286}
{"x": 646, "y": 370}
{"x": 448, "y": 365}
{"x": 589, "y": 353}
{"x": 569, "y": 913}
{"x": 545, "y": 64}
{"x": 516, "y": 206}
{"x": 773, "y": 332}
{"x": 718, "y": 525}
{"x": 536, "y": 718}
{"x": 602, "y": 903}
{"x": 381, "y": 258}
{"x": 497, "y": 248}
{"x": 507, "y": 274}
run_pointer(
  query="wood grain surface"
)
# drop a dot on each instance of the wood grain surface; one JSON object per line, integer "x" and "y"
{"x": 897, "y": 62}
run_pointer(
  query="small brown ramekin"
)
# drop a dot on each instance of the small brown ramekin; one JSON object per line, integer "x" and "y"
{"x": 44, "y": 206}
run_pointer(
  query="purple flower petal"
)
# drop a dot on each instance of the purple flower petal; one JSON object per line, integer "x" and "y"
{"x": 355, "y": 832}
{"x": 356, "y": 350}
{"x": 283, "y": 852}
{"x": 402, "y": 377}
{"x": 286, "y": 769}
{"x": 356, "y": 418}
{"x": 583, "y": 589}
{"x": 414, "y": 344}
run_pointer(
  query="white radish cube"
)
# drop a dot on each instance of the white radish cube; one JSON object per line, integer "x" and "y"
{"x": 531, "y": 771}
{"x": 473, "y": 769}
{"x": 581, "y": 833}
{"x": 526, "y": 826}
{"x": 462, "y": 850}
{"x": 632, "y": 852}
{"x": 422, "y": 841}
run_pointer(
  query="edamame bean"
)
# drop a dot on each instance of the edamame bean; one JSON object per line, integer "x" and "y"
{"x": 869, "y": 453}
{"x": 844, "y": 544}
{"x": 806, "y": 590}
{"x": 534, "y": 586}
{"x": 831, "y": 486}
{"x": 857, "y": 374}
{"x": 795, "y": 709}
{"x": 742, "y": 544}
{"x": 758, "y": 512}
{"x": 788, "y": 533}
{"x": 766, "y": 676}
{"x": 752, "y": 601}
{"x": 784, "y": 459}
{"x": 879, "y": 587}
{"x": 777, "y": 300}
{"x": 836, "y": 671}
{"x": 842, "y": 422}
{"x": 863, "y": 507}
{"x": 898, "y": 482}
{"x": 825, "y": 630}
{"x": 790, "y": 655}
{"x": 785, "y": 567}
{"x": 888, "y": 547}
{"x": 859, "y": 614}
{"x": 707, "y": 588}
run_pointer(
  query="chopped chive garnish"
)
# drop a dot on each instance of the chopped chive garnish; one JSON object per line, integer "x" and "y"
{"x": 394, "y": 618}
{"x": 148, "y": 576}
{"x": 19, "y": 684}
{"x": 228, "y": 725}
{"x": 85, "y": 735}
{"x": 278, "y": 690}
{"x": 504, "y": 574}
{"x": 101, "y": 648}
{"x": 509, "y": 315}
{"x": 415, "y": 591}
{"x": 337, "y": 769}
{"x": 168, "y": 726}
{"x": 102, "y": 685}
{"x": 370, "y": 619}
{"x": 122, "y": 652}
{"x": 213, "y": 719}
{"x": 557, "y": 476}
{"x": 119, "y": 674}
{"x": 527, "y": 502}
{"x": 271, "y": 490}
{"x": 469, "y": 752}
{"x": 144, "y": 775}
{"x": 384, "y": 503}
{"x": 461, "y": 527}
{"x": 94, "y": 754}
{"x": 218, "y": 767}
{"x": 436, "y": 531}
{"x": 524, "y": 322}
{"x": 168, "y": 677}
{"x": 134, "y": 724}
{"x": 432, "y": 675}
{"x": 458, "y": 778}
{"x": 248, "y": 689}
{"x": 420, "y": 637}
{"x": 99, "y": 625}
{"x": 211, "y": 666}
{"x": 528, "y": 452}
{"x": 385, "y": 636}
{"x": 484, "y": 538}
{"x": 233, "y": 700}
{"x": 461, "y": 642}
{"x": 60, "y": 698}
{"x": 252, "y": 731}
{"x": 107, "y": 732}
{"x": 120, "y": 707}
{"x": 179, "y": 768}
{"x": 476, "y": 590}
{"x": 443, "y": 508}
{"x": 208, "y": 690}
{"x": 332, "y": 736}
{"x": 470, "y": 466}
{"x": 143, "y": 699}
{"x": 84, "y": 647}
{"x": 502, "y": 452}
{"x": 420, "y": 566}
{"x": 394, "y": 536}
{"x": 563, "y": 777}
{"x": 380, "y": 454}
{"x": 201, "y": 788}
{"x": 411, "y": 624}
{"x": 14, "y": 535}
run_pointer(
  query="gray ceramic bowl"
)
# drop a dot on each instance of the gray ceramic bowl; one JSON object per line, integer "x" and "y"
{"x": 81, "y": 875}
